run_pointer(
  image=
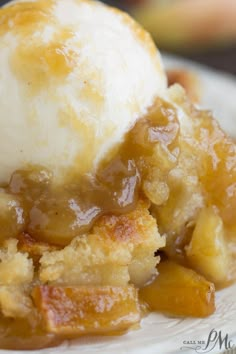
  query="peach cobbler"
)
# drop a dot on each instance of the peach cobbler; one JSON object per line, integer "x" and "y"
{"x": 117, "y": 194}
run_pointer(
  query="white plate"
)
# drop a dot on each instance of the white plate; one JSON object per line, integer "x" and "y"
{"x": 159, "y": 334}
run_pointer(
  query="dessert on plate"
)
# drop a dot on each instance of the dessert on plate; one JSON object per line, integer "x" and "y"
{"x": 117, "y": 194}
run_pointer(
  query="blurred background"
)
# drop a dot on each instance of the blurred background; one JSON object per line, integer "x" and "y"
{"x": 201, "y": 30}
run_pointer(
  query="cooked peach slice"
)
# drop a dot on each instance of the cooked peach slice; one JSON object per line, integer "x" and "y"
{"x": 74, "y": 311}
{"x": 179, "y": 291}
{"x": 207, "y": 251}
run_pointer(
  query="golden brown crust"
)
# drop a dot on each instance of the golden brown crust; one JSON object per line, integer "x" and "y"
{"x": 34, "y": 248}
{"x": 132, "y": 227}
{"x": 16, "y": 276}
{"x": 119, "y": 249}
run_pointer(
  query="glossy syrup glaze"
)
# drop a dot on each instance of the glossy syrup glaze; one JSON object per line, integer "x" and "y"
{"x": 141, "y": 166}
{"x": 56, "y": 214}
{"x": 53, "y": 215}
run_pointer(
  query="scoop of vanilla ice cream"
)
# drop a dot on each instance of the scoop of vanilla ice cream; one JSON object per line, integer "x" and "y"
{"x": 75, "y": 75}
